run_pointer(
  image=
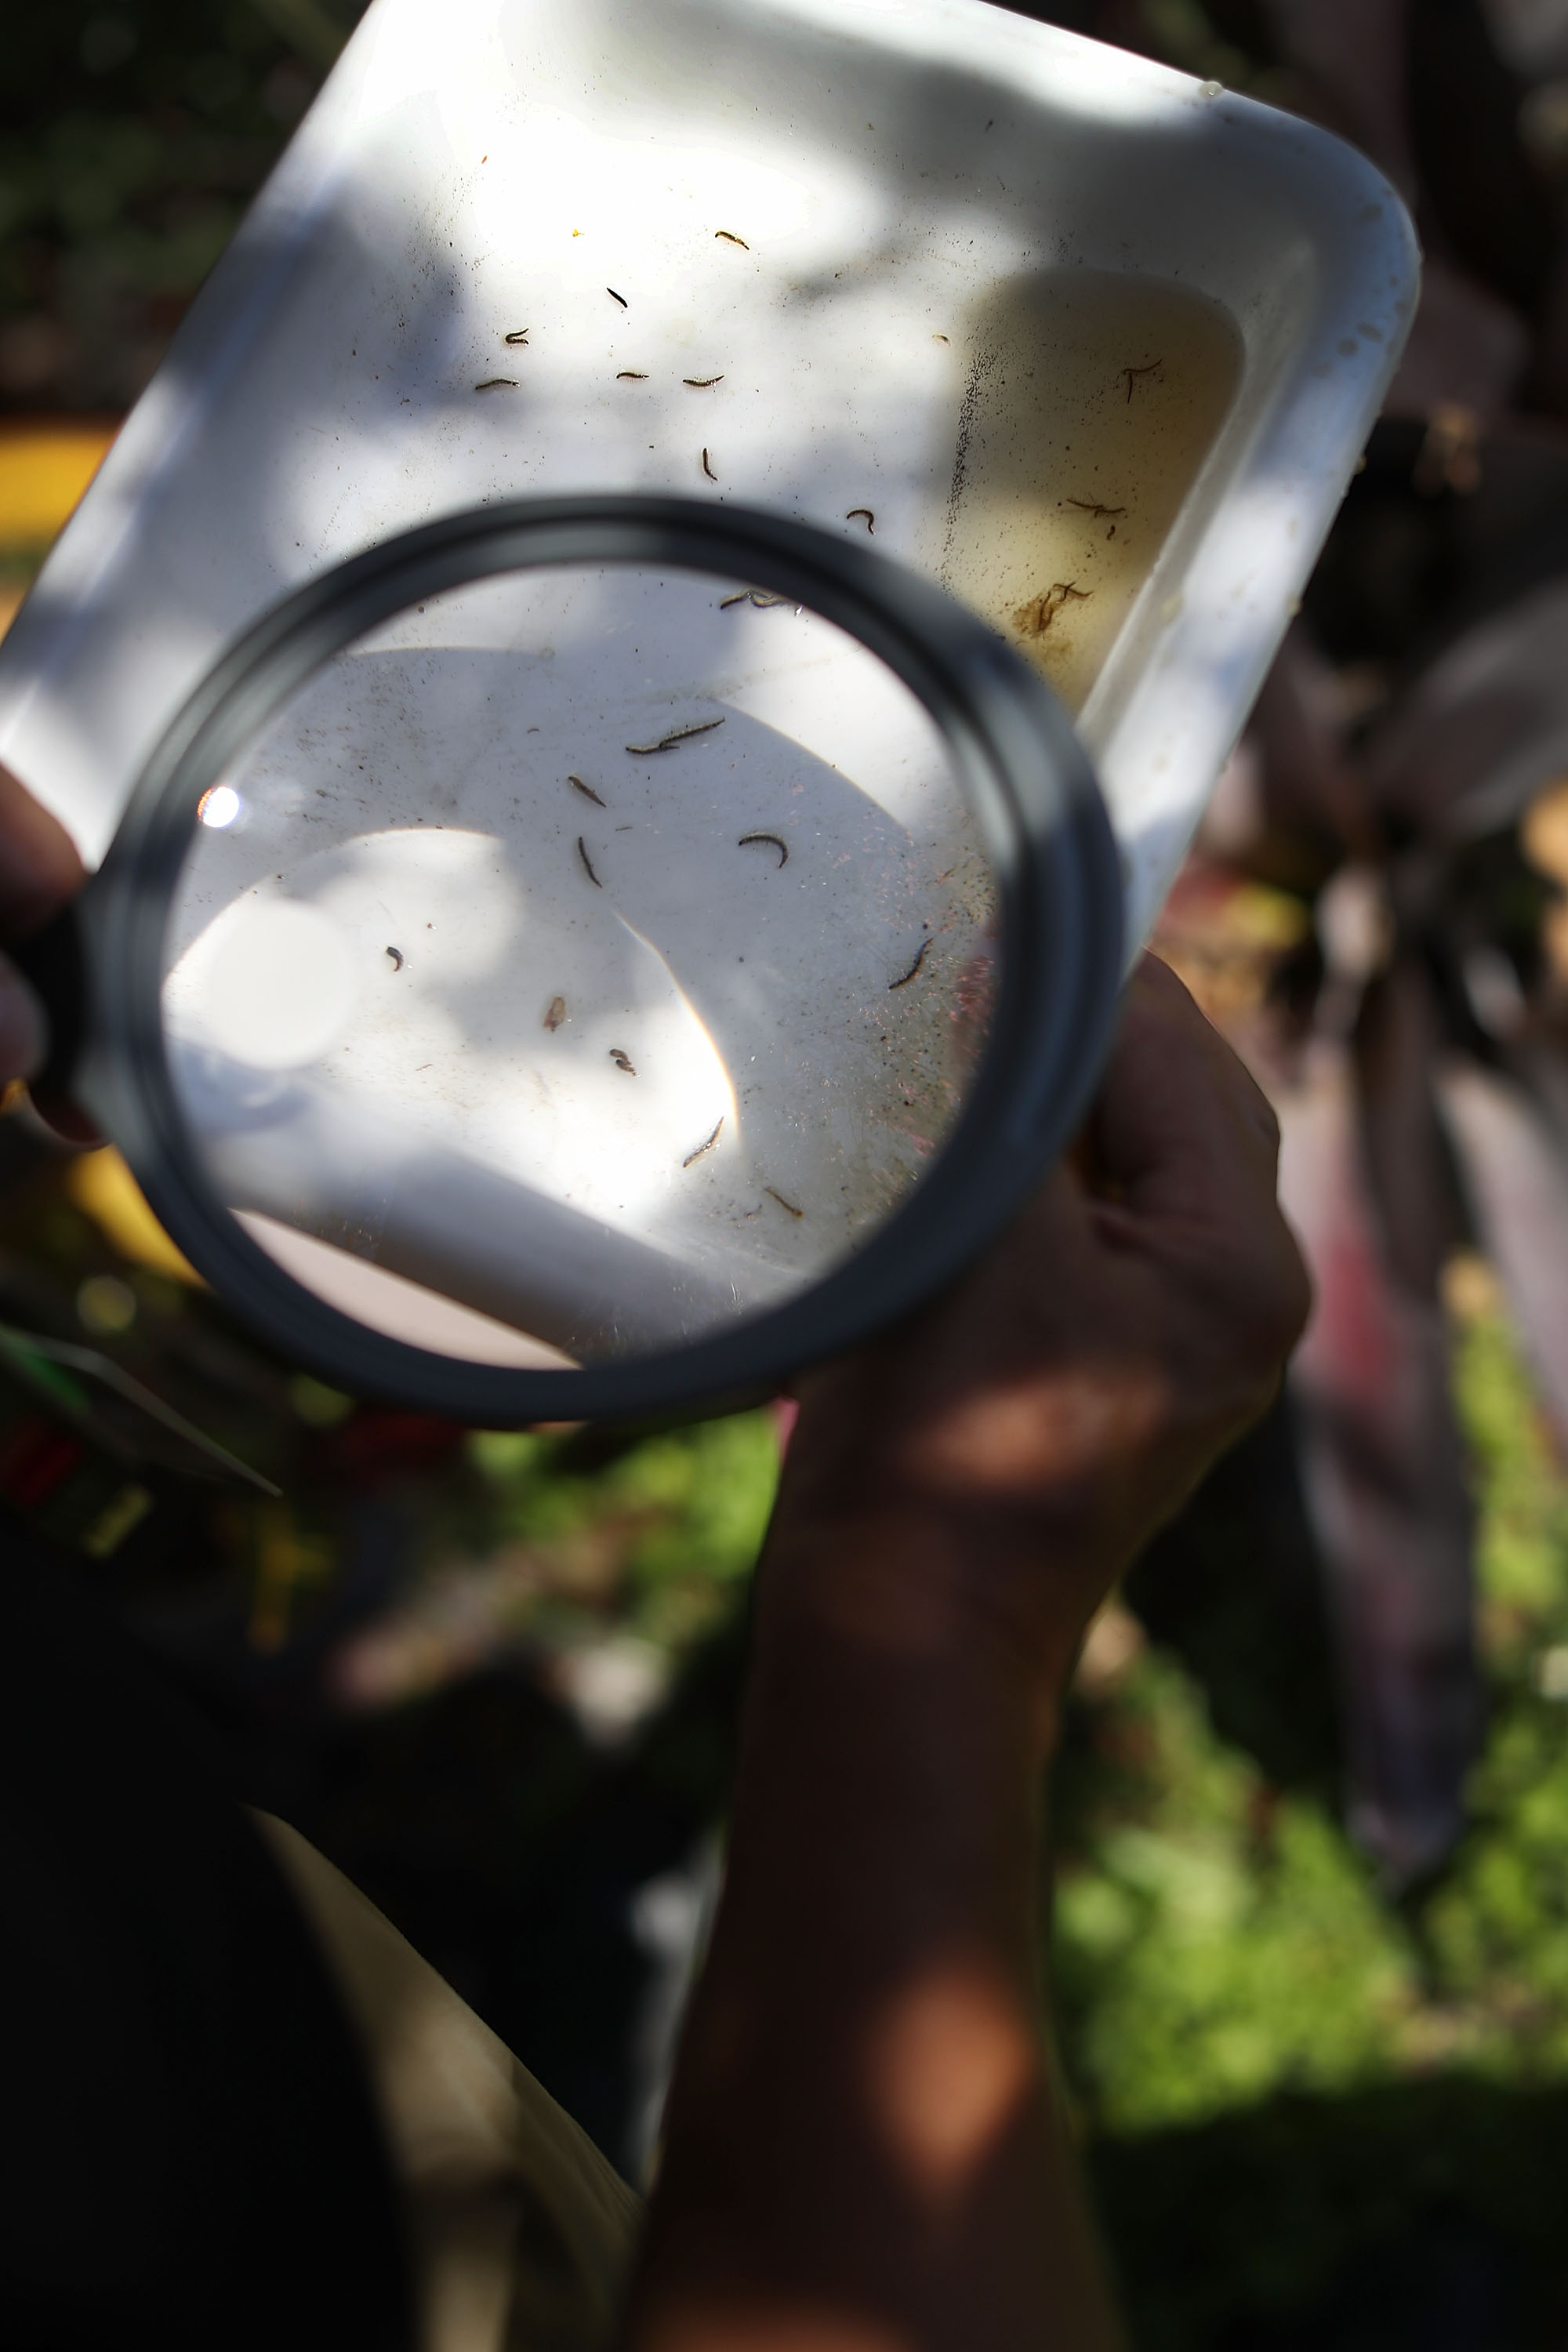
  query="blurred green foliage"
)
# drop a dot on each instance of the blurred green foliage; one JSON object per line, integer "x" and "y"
{"x": 707, "y": 1490}
{"x": 687, "y": 1509}
{"x": 1216, "y": 1943}
{"x": 1295, "y": 2093}
{"x": 132, "y": 134}
{"x": 1498, "y": 1926}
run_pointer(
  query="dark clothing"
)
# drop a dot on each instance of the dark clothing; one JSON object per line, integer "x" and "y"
{"x": 189, "y": 2155}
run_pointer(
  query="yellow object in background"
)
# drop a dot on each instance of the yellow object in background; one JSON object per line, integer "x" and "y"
{"x": 103, "y": 1187}
{"x": 44, "y": 468}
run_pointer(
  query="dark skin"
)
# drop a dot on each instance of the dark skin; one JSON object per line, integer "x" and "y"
{"x": 864, "y": 2150}
{"x": 40, "y": 872}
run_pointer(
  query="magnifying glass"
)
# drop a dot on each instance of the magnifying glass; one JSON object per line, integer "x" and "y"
{"x": 594, "y": 955}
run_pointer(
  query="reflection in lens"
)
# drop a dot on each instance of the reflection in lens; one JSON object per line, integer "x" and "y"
{"x": 219, "y": 807}
{"x": 601, "y": 959}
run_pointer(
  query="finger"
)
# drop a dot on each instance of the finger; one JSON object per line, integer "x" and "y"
{"x": 1181, "y": 1128}
{"x": 23, "y": 1027}
{"x": 41, "y": 871}
{"x": 69, "y": 1120}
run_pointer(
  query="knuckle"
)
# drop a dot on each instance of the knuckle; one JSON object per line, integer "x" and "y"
{"x": 1282, "y": 1300}
{"x": 1255, "y": 1297}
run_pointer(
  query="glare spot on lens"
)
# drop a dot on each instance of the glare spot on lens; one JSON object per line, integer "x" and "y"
{"x": 218, "y": 807}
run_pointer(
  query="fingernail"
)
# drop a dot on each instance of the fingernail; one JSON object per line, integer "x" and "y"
{"x": 23, "y": 1027}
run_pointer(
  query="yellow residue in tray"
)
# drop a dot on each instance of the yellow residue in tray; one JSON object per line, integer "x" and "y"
{"x": 1091, "y": 402}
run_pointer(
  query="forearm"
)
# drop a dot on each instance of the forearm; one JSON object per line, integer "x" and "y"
{"x": 863, "y": 2148}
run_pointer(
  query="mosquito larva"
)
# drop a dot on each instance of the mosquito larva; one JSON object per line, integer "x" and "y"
{"x": 783, "y": 1202}
{"x": 1035, "y": 618}
{"x": 905, "y": 978}
{"x": 396, "y": 955}
{"x": 698, "y": 727}
{"x": 702, "y": 382}
{"x": 586, "y": 790}
{"x": 731, "y": 238}
{"x": 497, "y": 384}
{"x": 518, "y": 335}
{"x": 707, "y": 468}
{"x": 773, "y": 841}
{"x": 676, "y": 735}
{"x": 556, "y": 1013}
{"x": 702, "y": 1150}
{"x": 622, "y": 1061}
{"x": 870, "y": 518}
{"x": 632, "y": 375}
{"x": 588, "y": 863}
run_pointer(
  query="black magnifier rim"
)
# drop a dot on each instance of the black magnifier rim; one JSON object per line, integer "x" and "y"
{"x": 1045, "y": 831}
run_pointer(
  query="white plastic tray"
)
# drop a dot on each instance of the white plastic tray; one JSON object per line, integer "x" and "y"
{"x": 956, "y": 290}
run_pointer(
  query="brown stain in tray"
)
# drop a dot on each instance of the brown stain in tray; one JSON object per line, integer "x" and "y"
{"x": 1064, "y": 489}
{"x": 1035, "y": 614}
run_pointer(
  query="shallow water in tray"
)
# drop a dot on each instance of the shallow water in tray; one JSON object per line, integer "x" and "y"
{"x": 1091, "y": 403}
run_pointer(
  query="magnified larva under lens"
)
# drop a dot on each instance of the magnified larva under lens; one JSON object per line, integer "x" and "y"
{"x": 646, "y": 1057}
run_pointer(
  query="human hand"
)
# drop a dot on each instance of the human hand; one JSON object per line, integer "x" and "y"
{"x": 865, "y": 2144}
{"x": 1063, "y": 1399}
{"x": 40, "y": 872}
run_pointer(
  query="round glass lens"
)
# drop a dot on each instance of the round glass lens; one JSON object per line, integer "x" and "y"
{"x": 580, "y": 965}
